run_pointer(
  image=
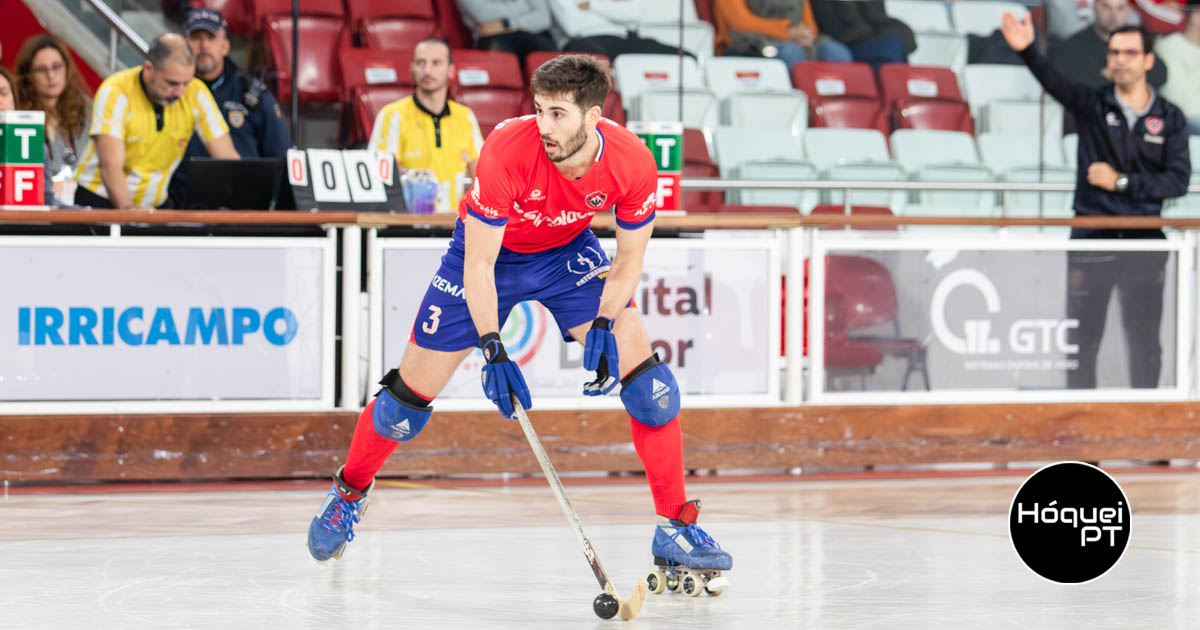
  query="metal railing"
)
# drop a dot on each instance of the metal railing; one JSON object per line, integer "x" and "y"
{"x": 1004, "y": 188}
{"x": 117, "y": 27}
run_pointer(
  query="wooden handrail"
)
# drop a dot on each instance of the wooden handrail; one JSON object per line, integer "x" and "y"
{"x": 740, "y": 220}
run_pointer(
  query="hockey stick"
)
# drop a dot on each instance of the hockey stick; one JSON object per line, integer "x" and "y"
{"x": 627, "y": 609}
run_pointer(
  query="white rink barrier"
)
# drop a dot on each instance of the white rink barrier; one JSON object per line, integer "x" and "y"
{"x": 166, "y": 324}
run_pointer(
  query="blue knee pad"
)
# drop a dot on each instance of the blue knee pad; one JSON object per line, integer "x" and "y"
{"x": 650, "y": 393}
{"x": 396, "y": 419}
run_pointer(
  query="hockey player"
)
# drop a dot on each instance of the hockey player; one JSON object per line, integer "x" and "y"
{"x": 523, "y": 234}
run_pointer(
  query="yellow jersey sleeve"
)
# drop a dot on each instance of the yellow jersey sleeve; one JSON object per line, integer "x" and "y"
{"x": 476, "y": 136}
{"x": 210, "y": 125}
{"x": 109, "y": 111}
{"x": 385, "y": 136}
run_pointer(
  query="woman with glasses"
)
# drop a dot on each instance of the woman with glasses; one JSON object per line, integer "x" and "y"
{"x": 47, "y": 80}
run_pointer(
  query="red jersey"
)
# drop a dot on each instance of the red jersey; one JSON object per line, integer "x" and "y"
{"x": 518, "y": 187}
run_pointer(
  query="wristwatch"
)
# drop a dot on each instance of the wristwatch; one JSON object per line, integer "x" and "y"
{"x": 506, "y": 24}
{"x": 1122, "y": 182}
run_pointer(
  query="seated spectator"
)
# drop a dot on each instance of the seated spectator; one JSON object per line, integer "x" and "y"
{"x": 7, "y": 100}
{"x": 256, "y": 125}
{"x": 784, "y": 29}
{"x": 48, "y": 80}
{"x": 864, "y": 26}
{"x": 516, "y": 26}
{"x": 431, "y": 135}
{"x": 142, "y": 118}
{"x": 1084, "y": 56}
{"x": 1182, "y": 51}
{"x": 602, "y": 27}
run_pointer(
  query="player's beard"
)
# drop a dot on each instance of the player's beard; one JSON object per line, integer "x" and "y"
{"x": 573, "y": 145}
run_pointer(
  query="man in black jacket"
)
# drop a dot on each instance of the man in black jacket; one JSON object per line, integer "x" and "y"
{"x": 256, "y": 124}
{"x": 1133, "y": 153}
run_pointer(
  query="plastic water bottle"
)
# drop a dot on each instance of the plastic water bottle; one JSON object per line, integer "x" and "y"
{"x": 425, "y": 193}
{"x": 407, "y": 187}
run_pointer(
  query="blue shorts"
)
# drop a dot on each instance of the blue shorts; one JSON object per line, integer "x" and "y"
{"x": 567, "y": 280}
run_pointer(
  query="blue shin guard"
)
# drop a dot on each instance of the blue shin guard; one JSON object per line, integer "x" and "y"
{"x": 394, "y": 418}
{"x": 650, "y": 393}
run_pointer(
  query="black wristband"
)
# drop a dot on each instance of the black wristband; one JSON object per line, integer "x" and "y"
{"x": 603, "y": 323}
{"x": 506, "y": 24}
{"x": 493, "y": 349}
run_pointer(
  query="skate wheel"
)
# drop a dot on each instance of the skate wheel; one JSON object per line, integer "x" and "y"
{"x": 656, "y": 582}
{"x": 716, "y": 586}
{"x": 673, "y": 583}
{"x": 690, "y": 585}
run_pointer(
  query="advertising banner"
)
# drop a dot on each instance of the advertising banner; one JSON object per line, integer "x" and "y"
{"x": 165, "y": 319}
{"x": 922, "y": 317}
{"x": 711, "y": 309}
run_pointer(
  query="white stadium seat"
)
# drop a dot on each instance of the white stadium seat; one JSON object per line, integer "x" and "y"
{"x": 981, "y": 17}
{"x": 855, "y": 154}
{"x": 757, "y": 92}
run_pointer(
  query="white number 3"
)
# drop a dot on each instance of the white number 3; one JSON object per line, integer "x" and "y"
{"x": 430, "y": 327}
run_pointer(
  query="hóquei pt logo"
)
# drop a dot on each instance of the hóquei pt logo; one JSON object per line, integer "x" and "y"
{"x": 1070, "y": 522}
{"x": 150, "y": 326}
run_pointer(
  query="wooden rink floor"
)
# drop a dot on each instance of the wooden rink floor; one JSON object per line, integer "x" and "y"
{"x": 922, "y": 551}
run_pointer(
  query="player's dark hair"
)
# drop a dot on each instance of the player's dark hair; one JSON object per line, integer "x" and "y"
{"x": 1147, "y": 38}
{"x": 584, "y": 77}
{"x": 439, "y": 40}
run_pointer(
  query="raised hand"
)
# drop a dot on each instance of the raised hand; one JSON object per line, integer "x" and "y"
{"x": 1017, "y": 32}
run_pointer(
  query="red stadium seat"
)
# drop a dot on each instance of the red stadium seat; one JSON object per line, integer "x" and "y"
{"x": 612, "y": 108}
{"x": 860, "y": 294}
{"x": 920, "y": 97}
{"x": 697, "y": 163}
{"x": 237, "y": 13}
{"x": 395, "y": 33}
{"x": 841, "y": 95}
{"x": 368, "y": 102}
{"x": 363, "y": 67}
{"x": 835, "y": 209}
{"x": 260, "y": 9}
{"x": 321, "y": 38}
{"x": 490, "y": 83}
{"x": 450, "y": 24}
{"x": 360, "y": 10}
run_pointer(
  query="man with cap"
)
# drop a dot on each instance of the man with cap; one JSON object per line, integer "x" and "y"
{"x": 256, "y": 124}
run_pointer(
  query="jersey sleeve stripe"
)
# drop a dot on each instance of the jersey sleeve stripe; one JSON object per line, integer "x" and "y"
{"x": 212, "y": 125}
{"x": 475, "y": 134}
{"x": 633, "y": 225}
{"x": 493, "y": 222}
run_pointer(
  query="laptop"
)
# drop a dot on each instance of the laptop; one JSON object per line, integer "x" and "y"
{"x": 247, "y": 184}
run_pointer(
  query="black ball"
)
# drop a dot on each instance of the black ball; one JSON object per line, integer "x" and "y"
{"x": 605, "y": 606}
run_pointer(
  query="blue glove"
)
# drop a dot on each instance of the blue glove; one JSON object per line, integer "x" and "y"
{"x": 501, "y": 375}
{"x": 600, "y": 354}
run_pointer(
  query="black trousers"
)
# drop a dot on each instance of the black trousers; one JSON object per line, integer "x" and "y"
{"x": 612, "y": 46}
{"x": 85, "y": 197}
{"x": 1138, "y": 278}
{"x": 519, "y": 43}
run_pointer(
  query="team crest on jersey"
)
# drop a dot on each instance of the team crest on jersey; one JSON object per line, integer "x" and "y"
{"x": 596, "y": 200}
{"x": 1154, "y": 125}
{"x": 237, "y": 119}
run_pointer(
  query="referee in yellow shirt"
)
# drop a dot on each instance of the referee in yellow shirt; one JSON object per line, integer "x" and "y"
{"x": 429, "y": 132}
{"x": 142, "y": 119}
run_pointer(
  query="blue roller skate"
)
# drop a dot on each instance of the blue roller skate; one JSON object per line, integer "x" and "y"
{"x": 333, "y": 526}
{"x": 686, "y": 558}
